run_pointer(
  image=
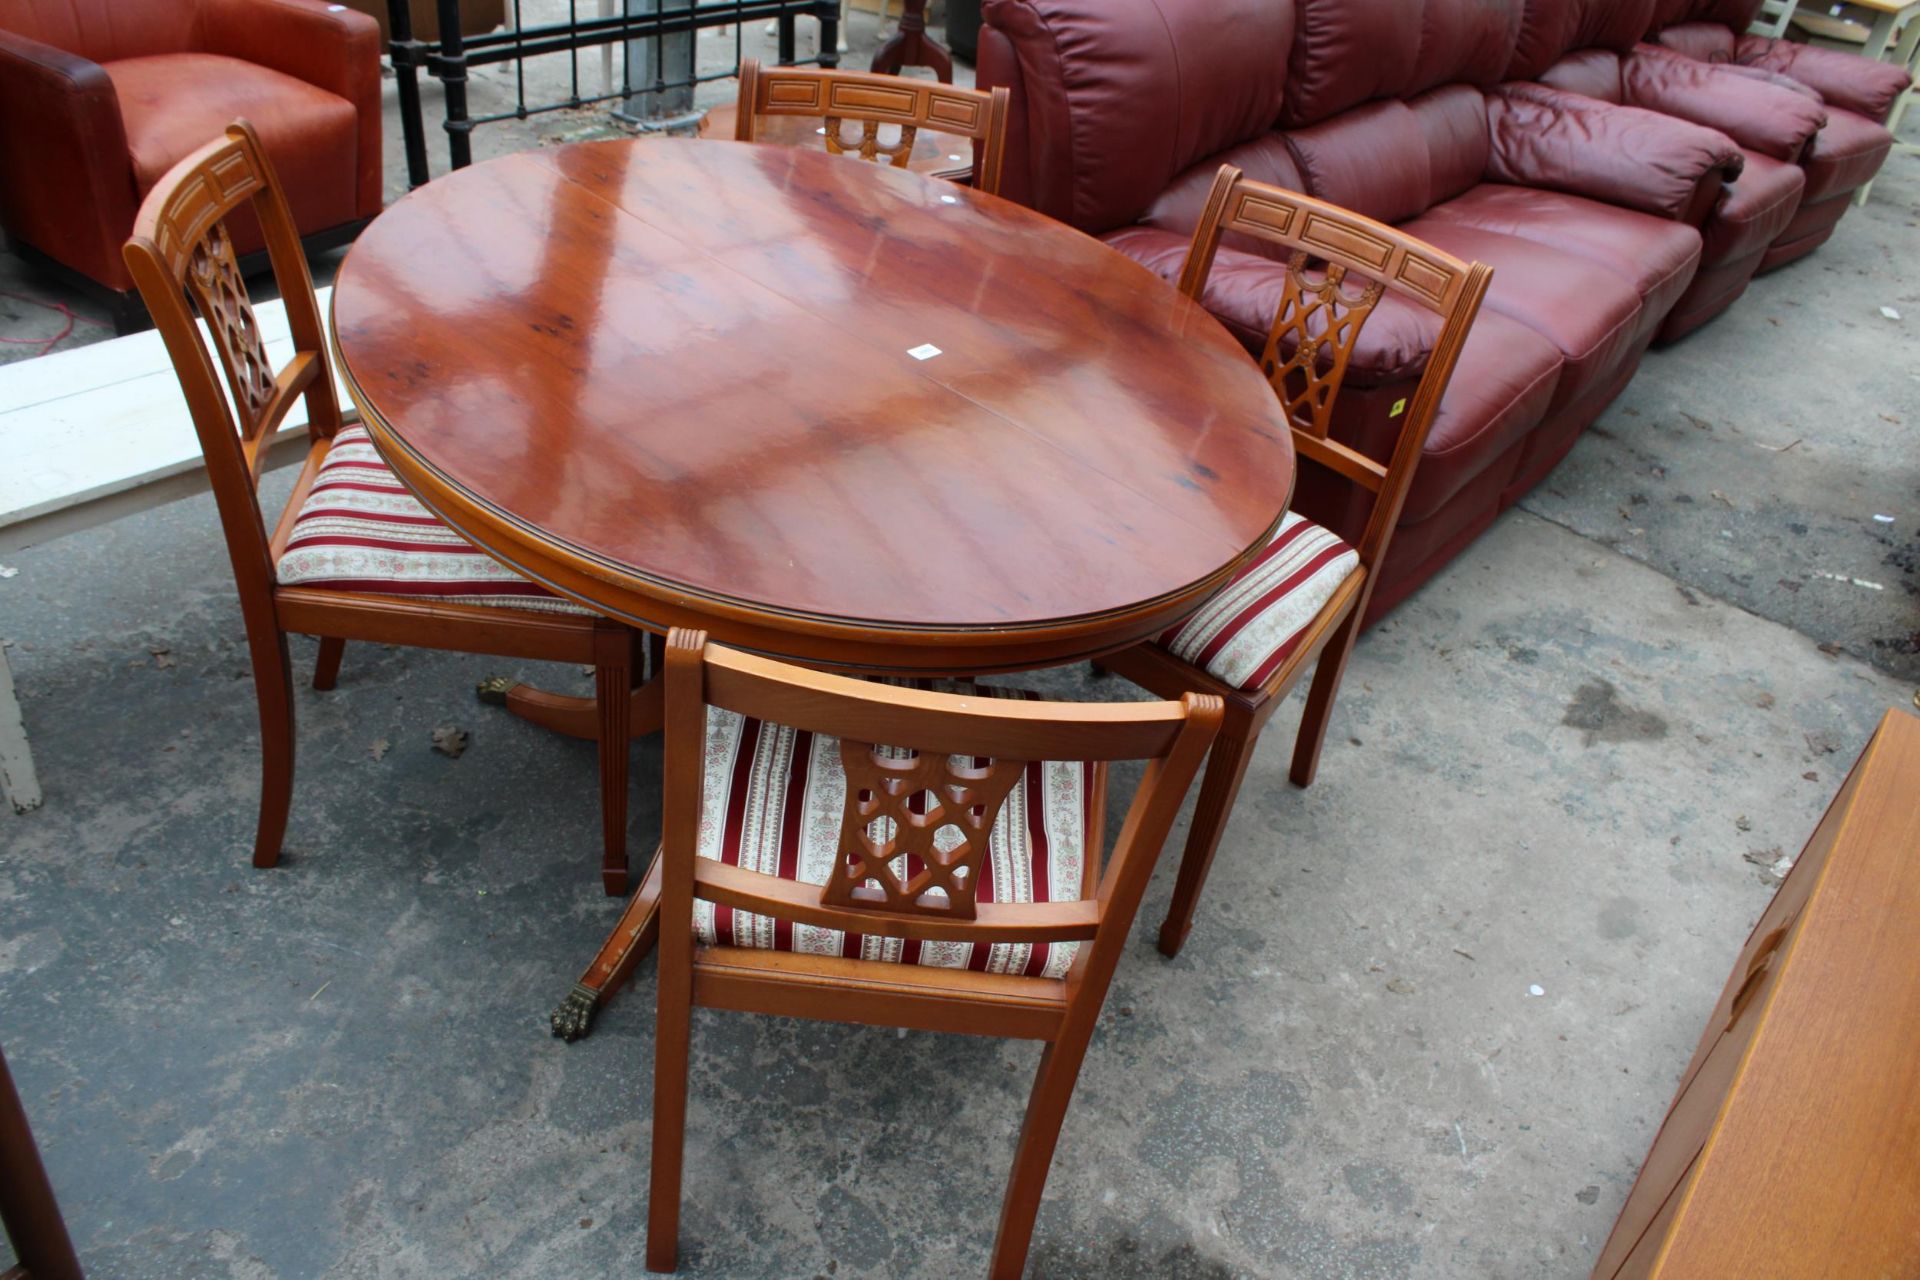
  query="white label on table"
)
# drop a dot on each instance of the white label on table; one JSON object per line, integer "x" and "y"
{"x": 925, "y": 351}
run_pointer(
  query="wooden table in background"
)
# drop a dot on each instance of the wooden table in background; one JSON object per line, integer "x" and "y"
{"x": 693, "y": 384}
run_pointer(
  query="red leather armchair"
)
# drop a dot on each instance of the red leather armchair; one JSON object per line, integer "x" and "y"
{"x": 99, "y": 98}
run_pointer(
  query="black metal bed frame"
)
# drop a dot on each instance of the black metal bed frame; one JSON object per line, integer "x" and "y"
{"x": 448, "y": 59}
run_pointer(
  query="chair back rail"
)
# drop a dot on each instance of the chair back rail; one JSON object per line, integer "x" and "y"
{"x": 838, "y": 97}
{"x": 182, "y": 261}
{"x": 1341, "y": 265}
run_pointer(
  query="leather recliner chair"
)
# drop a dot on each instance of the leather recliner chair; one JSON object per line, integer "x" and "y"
{"x": 1591, "y": 47}
{"x": 1587, "y": 211}
{"x": 99, "y": 98}
{"x": 1858, "y": 92}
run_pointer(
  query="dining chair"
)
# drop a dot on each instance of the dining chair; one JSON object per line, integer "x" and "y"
{"x": 1304, "y": 596}
{"x": 873, "y": 101}
{"x": 354, "y": 555}
{"x": 861, "y": 852}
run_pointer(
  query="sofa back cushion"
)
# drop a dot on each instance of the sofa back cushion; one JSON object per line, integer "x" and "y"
{"x": 106, "y": 30}
{"x": 1351, "y": 52}
{"x": 1266, "y": 158}
{"x": 1706, "y": 41}
{"x": 1394, "y": 160}
{"x": 1117, "y": 97}
{"x": 1552, "y": 29}
{"x": 1591, "y": 73}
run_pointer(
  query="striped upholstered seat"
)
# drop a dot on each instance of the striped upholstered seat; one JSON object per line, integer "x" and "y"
{"x": 1244, "y": 633}
{"x": 773, "y": 803}
{"x": 361, "y": 530}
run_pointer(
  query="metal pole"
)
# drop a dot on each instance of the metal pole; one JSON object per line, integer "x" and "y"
{"x": 404, "y": 50}
{"x": 27, "y": 1206}
{"x": 664, "y": 58}
{"x": 451, "y": 67}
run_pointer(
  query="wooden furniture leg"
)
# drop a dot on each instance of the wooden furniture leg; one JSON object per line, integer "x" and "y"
{"x": 1320, "y": 695}
{"x": 1033, "y": 1156}
{"x": 326, "y": 667}
{"x": 1226, "y": 769}
{"x": 632, "y": 938}
{"x": 27, "y": 1206}
{"x": 17, "y": 778}
{"x": 912, "y": 47}
{"x": 273, "y": 686}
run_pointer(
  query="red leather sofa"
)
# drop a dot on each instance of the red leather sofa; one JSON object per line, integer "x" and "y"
{"x": 1588, "y": 211}
{"x": 99, "y": 98}
{"x": 1592, "y": 47}
{"x": 1858, "y": 93}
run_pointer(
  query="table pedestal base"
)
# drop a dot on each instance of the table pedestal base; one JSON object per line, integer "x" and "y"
{"x": 624, "y": 949}
{"x": 911, "y": 46}
{"x": 573, "y": 716}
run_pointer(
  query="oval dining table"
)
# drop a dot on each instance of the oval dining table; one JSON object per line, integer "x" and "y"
{"x": 826, "y": 410}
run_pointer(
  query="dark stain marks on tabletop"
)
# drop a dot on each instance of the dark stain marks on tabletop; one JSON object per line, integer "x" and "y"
{"x": 1596, "y": 710}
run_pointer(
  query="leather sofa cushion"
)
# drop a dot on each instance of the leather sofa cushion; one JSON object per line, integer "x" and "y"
{"x": 1552, "y": 29}
{"x": 1845, "y": 154}
{"x": 1655, "y": 256}
{"x": 174, "y": 103}
{"x": 1585, "y": 309}
{"x": 1372, "y": 160}
{"x": 1120, "y": 98}
{"x": 1505, "y": 378}
{"x": 1265, "y": 159}
{"x": 1755, "y": 210}
{"x": 1707, "y": 41}
{"x": 1591, "y": 73}
{"x": 1349, "y": 52}
{"x": 1454, "y": 122}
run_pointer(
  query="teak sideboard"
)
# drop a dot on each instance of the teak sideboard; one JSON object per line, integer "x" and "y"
{"x": 1792, "y": 1148}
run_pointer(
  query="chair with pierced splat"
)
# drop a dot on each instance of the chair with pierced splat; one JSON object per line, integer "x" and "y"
{"x": 354, "y": 556}
{"x": 1304, "y": 596}
{"x": 875, "y": 102}
{"x": 952, "y": 881}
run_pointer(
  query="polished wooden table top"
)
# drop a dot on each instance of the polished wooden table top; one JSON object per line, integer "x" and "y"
{"x": 690, "y": 383}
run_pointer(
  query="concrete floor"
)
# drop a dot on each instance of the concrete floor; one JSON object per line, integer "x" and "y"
{"x": 1550, "y": 768}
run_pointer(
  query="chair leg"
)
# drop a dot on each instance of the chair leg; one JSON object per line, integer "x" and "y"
{"x": 671, "y": 1031}
{"x": 1046, "y": 1112}
{"x": 1226, "y": 766}
{"x": 614, "y": 669}
{"x": 1326, "y": 684}
{"x": 326, "y": 668}
{"x": 273, "y": 685}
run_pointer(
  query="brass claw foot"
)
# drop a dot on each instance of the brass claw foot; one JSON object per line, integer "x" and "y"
{"x": 574, "y": 1018}
{"x": 494, "y": 690}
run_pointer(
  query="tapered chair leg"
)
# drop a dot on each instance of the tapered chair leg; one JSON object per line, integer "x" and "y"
{"x": 671, "y": 1030}
{"x": 1226, "y": 767}
{"x": 1320, "y": 696}
{"x": 326, "y": 668}
{"x": 615, "y": 652}
{"x": 273, "y": 685}
{"x": 1039, "y": 1133}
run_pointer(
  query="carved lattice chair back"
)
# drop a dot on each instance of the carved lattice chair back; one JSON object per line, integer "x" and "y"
{"x": 950, "y": 765}
{"x": 1340, "y": 266}
{"x": 182, "y": 260}
{"x": 856, "y": 107}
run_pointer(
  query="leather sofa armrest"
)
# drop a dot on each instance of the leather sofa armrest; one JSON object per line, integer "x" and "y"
{"x": 1627, "y": 156}
{"x": 66, "y": 181}
{"x": 1845, "y": 80}
{"x": 328, "y": 46}
{"x": 1759, "y": 116}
